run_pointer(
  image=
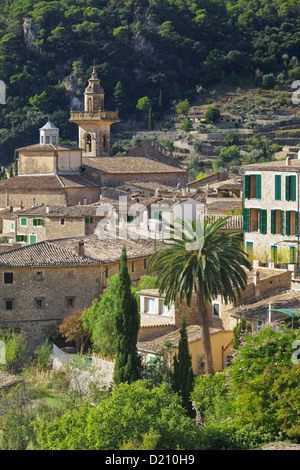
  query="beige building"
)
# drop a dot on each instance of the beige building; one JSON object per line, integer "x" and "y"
{"x": 271, "y": 211}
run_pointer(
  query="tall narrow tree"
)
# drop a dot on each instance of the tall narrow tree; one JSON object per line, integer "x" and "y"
{"x": 183, "y": 377}
{"x": 127, "y": 322}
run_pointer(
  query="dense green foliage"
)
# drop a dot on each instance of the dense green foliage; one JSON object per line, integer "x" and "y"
{"x": 165, "y": 49}
{"x": 130, "y": 412}
{"x": 126, "y": 327}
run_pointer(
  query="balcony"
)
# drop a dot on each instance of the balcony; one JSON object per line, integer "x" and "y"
{"x": 110, "y": 116}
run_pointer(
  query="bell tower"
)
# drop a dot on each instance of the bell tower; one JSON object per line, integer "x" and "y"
{"x": 94, "y": 122}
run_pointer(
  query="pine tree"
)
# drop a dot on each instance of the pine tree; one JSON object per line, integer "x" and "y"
{"x": 127, "y": 321}
{"x": 183, "y": 377}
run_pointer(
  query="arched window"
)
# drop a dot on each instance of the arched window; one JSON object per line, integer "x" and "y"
{"x": 88, "y": 143}
{"x": 90, "y": 107}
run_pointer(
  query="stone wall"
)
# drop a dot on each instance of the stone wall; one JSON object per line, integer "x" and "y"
{"x": 18, "y": 198}
{"x": 152, "y": 149}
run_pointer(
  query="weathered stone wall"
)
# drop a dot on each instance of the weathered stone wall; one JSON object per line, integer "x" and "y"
{"x": 18, "y": 198}
{"x": 154, "y": 150}
{"x": 72, "y": 227}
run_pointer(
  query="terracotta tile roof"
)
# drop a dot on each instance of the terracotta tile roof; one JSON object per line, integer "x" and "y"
{"x": 43, "y": 254}
{"x": 46, "y": 182}
{"x": 128, "y": 165}
{"x": 259, "y": 310}
{"x": 108, "y": 250}
{"x": 278, "y": 165}
{"x": 156, "y": 320}
{"x": 47, "y": 147}
{"x": 156, "y": 342}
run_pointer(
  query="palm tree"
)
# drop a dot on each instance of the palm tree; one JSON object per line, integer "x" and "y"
{"x": 200, "y": 260}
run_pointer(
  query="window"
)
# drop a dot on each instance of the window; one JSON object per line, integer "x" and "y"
{"x": 255, "y": 220}
{"x": 150, "y": 305}
{"x": 21, "y": 238}
{"x": 106, "y": 271}
{"x": 291, "y": 223}
{"x": 39, "y": 302}
{"x": 253, "y": 186}
{"x": 70, "y": 302}
{"x": 8, "y": 278}
{"x": 8, "y": 304}
{"x": 23, "y": 221}
{"x": 145, "y": 263}
{"x": 277, "y": 222}
{"x": 277, "y": 187}
{"x": 38, "y": 276}
{"x": 88, "y": 143}
{"x": 38, "y": 222}
{"x": 62, "y": 221}
{"x": 290, "y": 188}
{"x": 216, "y": 309}
{"x": 47, "y": 139}
{"x": 132, "y": 266}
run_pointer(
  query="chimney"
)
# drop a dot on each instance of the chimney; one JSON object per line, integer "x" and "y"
{"x": 84, "y": 200}
{"x": 298, "y": 154}
{"x": 47, "y": 209}
{"x": 33, "y": 201}
{"x": 288, "y": 161}
{"x": 79, "y": 248}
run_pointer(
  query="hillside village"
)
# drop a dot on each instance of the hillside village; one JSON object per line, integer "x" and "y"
{"x": 68, "y": 211}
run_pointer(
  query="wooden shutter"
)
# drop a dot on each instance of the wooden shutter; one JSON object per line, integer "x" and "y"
{"x": 258, "y": 186}
{"x": 281, "y": 221}
{"x": 247, "y": 186}
{"x": 293, "y": 188}
{"x": 273, "y": 222}
{"x": 296, "y": 224}
{"x": 277, "y": 187}
{"x": 287, "y": 223}
{"x": 246, "y": 219}
{"x": 263, "y": 221}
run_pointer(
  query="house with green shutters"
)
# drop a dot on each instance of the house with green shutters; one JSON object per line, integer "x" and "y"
{"x": 271, "y": 211}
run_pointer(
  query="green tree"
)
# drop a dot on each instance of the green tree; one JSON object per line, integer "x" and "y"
{"x": 212, "y": 114}
{"x": 119, "y": 97}
{"x": 99, "y": 318}
{"x": 200, "y": 261}
{"x": 127, "y": 322}
{"x": 183, "y": 377}
{"x": 144, "y": 104}
{"x": 182, "y": 107}
{"x": 129, "y": 413}
{"x": 150, "y": 120}
{"x": 186, "y": 126}
{"x": 15, "y": 349}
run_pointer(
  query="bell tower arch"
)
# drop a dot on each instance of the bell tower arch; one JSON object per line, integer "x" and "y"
{"x": 94, "y": 122}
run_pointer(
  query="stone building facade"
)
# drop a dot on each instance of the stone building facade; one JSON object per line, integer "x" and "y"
{"x": 271, "y": 211}
{"x": 45, "y": 282}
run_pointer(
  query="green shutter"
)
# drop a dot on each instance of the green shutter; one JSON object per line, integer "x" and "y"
{"x": 247, "y": 186}
{"x": 293, "y": 253}
{"x": 249, "y": 251}
{"x": 23, "y": 221}
{"x": 287, "y": 223}
{"x": 273, "y": 222}
{"x": 263, "y": 221}
{"x": 87, "y": 220}
{"x": 106, "y": 271}
{"x": 132, "y": 266}
{"x": 274, "y": 254}
{"x": 281, "y": 221}
{"x": 17, "y": 238}
{"x": 277, "y": 187}
{"x": 42, "y": 222}
{"x": 34, "y": 222}
{"x": 246, "y": 219}
{"x": 25, "y": 238}
{"x": 145, "y": 263}
{"x": 258, "y": 186}
{"x": 287, "y": 188}
{"x": 293, "y": 188}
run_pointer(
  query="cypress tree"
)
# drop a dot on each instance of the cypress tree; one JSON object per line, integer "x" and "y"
{"x": 183, "y": 377}
{"x": 127, "y": 322}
